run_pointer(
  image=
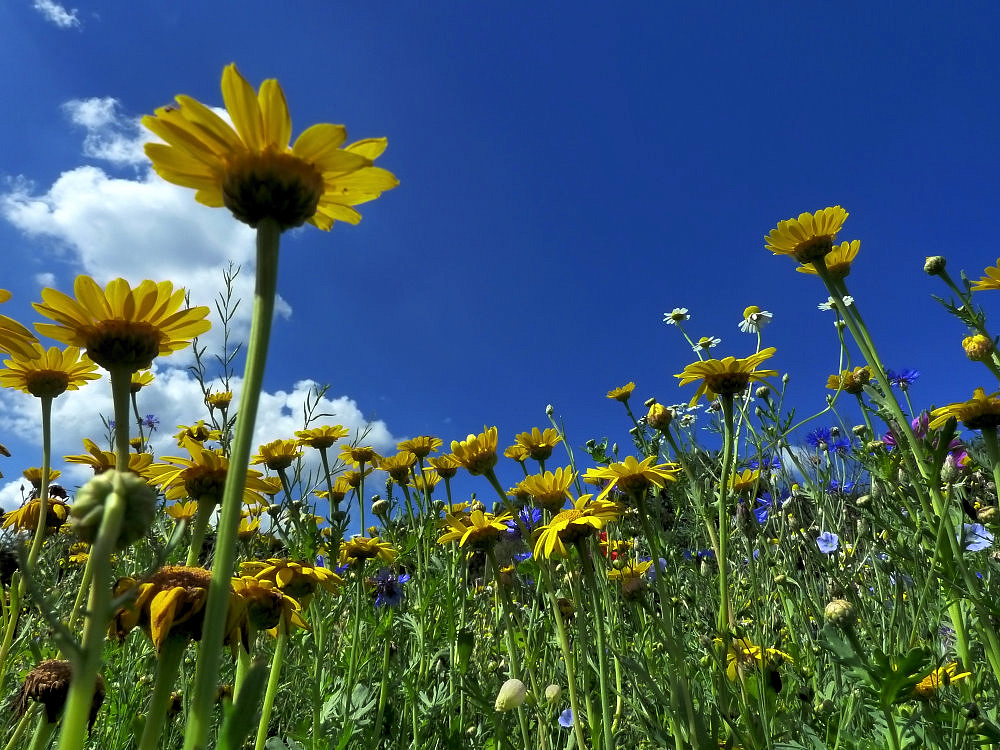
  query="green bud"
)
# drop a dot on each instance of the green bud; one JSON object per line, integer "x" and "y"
{"x": 139, "y": 498}
{"x": 553, "y": 693}
{"x": 512, "y": 694}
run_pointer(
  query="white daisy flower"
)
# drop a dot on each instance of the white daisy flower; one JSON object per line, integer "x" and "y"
{"x": 754, "y": 319}
{"x": 675, "y": 316}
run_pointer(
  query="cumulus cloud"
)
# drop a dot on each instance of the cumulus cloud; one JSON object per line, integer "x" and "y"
{"x": 55, "y": 13}
{"x": 110, "y": 135}
{"x": 174, "y": 398}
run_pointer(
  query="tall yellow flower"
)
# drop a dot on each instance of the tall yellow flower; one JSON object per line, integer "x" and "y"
{"x": 15, "y": 338}
{"x": 121, "y": 327}
{"x": 585, "y": 518}
{"x": 632, "y": 476}
{"x": 538, "y": 443}
{"x": 48, "y": 373}
{"x": 477, "y": 453}
{"x": 622, "y": 393}
{"x": 101, "y": 460}
{"x": 838, "y": 261}
{"x": 549, "y": 490}
{"x": 322, "y": 437}
{"x": 421, "y": 446}
{"x": 140, "y": 379}
{"x": 980, "y": 412}
{"x": 726, "y": 377}
{"x": 809, "y": 237}
{"x": 991, "y": 280}
{"x": 277, "y": 455}
{"x": 201, "y": 477}
{"x": 252, "y": 171}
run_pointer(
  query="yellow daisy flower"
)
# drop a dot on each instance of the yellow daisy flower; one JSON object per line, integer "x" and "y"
{"x": 399, "y": 466}
{"x": 539, "y": 444}
{"x": 49, "y": 373}
{"x": 632, "y": 476}
{"x": 622, "y": 393}
{"x": 359, "y": 454}
{"x": 426, "y": 481}
{"x": 198, "y": 433}
{"x": 838, "y": 260}
{"x": 201, "y": 477}
{"x": 266, "y": 605}
{"x": 743, "y": 654}
{"x": 477, "y": 453}
{"x": 171, "y": 603}
{"x": 446, "y": 466}
{"x": 277, "y": 455}
{"x": 421, "y": 446}
{"x": 980, "y": 412}
{"x": 297, "y": 579}
{"x": 219, "y": 400}
{"x": 726, "y": 377}
{"x": 480, "y": 530}
{"x": 357, "y": 549}
{"x": 140, "y": 379}
{"x": 322, "y": 437}
{"x": 15, "y": 339}
{"x": 121, "y": 327}
{"x": 34, "y": 475}
{"x": 585, "y": 518}
{"x": 745, "y": 481}
{"x": 25, "y": 518}
{"x": 183, "y": 511}
{"x": 809, "y": 237}
{"x": 990, "y": 281}
{"x": 939, "y": 678}
{"x": 549, "y": 490}
{"x": 252, "y": 171}
{"x": 101, "y": 460}
{"x": 516, "y": 452}
{"x": 850, "y": 381}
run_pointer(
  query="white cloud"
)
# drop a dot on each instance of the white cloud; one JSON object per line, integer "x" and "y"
{"x": 45, "y": 279}
{"x": 141, "y": 228}
{"x": 110, "y": 135}
{"x": 57, "y": 14}
{"x": 175, "y": 398}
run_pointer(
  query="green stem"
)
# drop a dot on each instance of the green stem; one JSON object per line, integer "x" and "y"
{"x": 198, "y": 529}
{"x": 167, "y": 664}
{"x": 85, "y": 667}
{"x": 272, "y": 684}
{"x": 43, "y": 490}
{"x": 21, "y": 728}
{"x": 597, "y": 618}
{"x": 568, "y": 658}
{"x": 210, "y": 652}
{"x": 43, "y": 732}
{"x": 723, "y": 622}
{"x": 383, "y": 692}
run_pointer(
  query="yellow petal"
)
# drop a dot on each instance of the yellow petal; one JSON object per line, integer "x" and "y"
{"x": 274, "y": 109}
{"x": 241, "y": 102}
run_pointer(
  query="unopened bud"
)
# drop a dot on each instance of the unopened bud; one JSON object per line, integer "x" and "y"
{"x": 934, "y": 265}
{"x": 139, "y": 500}
{"x": 978, "y": 347}
{"x": 859, "y": 430}
{"x": 549, "y": 410}
{"x": 840, "y": 613}
{"x": 987, "y": 515}
{"x": 553, "y": 693}
{"x": 659, "y": 417}
{"x": 763, "y": 392}
{"x": 511, "y": 696}
{"x": 380, "y": 507}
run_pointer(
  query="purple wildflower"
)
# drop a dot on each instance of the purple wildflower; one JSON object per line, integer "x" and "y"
{"x": 388, "y": 587}
{"x": 902, "y": 379}
{"x": 151, "y": 422}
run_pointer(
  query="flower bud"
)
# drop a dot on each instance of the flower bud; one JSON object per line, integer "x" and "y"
{"x": 763, "y": 392}
{"x": 987, "y": 515}
{"x": 859, "y": 430}
{"x": 978, "y": 347}
{"x": 659, "y": 417}
{"x": 550, "y": 410}
{"x": 138, "y": 497}
{"x": 934, "y": 265}
{"x": 553, "y": 693}
{"x": 840, "y": 613}
{"x": 511, "y": 696}
{"x": 380, "y": 507}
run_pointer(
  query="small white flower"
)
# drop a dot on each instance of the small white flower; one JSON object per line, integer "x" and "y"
{"x": 829, "y": 304}
{"x": 754, "y": 319}
{"x": 675, "y": 316}
{"x": 705, "y": 343}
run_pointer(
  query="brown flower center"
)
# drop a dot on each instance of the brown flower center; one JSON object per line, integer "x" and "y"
{"x": 123, "y": 343}
{"x": 47, "y": 383}
{"x": 813, "y": 249}
{"x": 273, "y": 185}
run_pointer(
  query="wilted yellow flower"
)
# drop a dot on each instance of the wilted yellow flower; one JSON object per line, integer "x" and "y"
{"x": 252, "y": 171}
{"x": 850, "y": 381}
{"x": 838, "y": 260}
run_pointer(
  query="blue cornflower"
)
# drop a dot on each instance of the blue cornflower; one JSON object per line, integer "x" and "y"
{"x": 701, "y": 554}
{"x": 566, "y": 719}
{"x": 530, "y": 517}
{"x": 661, "y": 565}
{"x": 902, "y": 379}
{"x": 521, "y": 556}
{"x": 767, "y": 463}
{"x": 388, "y": 587}
{"x": 820, "y": 437}
{"x": 827, "y": 542}
{"x": 151, "y": 421}
{"x": 763, "y": 509}
{"x": 842, "y": 446}
{"x": 836, "y": 486}
{"x": 975, "y": 537}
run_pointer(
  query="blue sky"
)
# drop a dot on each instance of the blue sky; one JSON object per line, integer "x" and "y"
{"x": 569, "y": 172}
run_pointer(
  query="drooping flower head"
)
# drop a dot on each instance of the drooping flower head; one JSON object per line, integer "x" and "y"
{"x": 809, "y": 237}
{"x": 726, "y": 377}
{"x": 838, "y": 261}
{"x": 754, "y": 319}
{"x": 850, "y": 381}
{"x": 121, "y": 327}
{"x": 251, "y": 170}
